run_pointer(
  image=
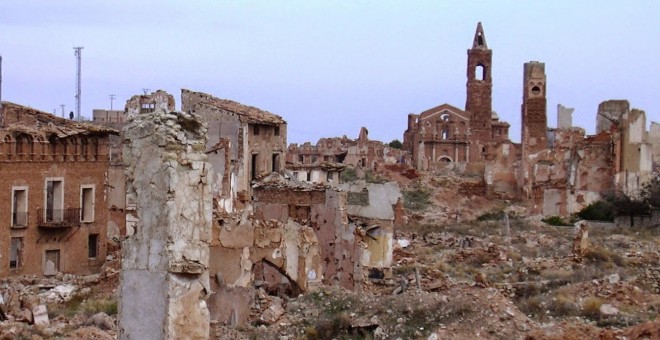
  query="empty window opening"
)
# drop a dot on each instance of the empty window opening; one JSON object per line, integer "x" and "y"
{"x": 54, "y": 200}
{"x": 253, "y": 171}
{"x": 19, "y": 208}
{"x": 445, "y": 133}
{"x": 51, "y": 262}
{"x": 277, "y": 131}
{"x": 480, "y": 72}
{"x": 480, "y": 39}
{"x": 309, "y": 176}
{"x": 276, "y": 162}
{"x": 147, "y": 107}
{"x": 276, "y": 281}
{"x": 536, "y": 90}
{"x": 256, "y": 130}
{"x": 300, "y": 213}
{"x": 16, "y": 253}
{"x": 87, "y": 204}
{"x": 301, "y": 159}
{"x": 93, "y": 246}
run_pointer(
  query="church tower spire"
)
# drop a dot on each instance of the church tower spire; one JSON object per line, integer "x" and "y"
{"x": 479, "y": 92}
{"x": 479, "y": 38}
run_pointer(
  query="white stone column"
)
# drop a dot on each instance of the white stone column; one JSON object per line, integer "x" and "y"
{"x": 164, "y": 276}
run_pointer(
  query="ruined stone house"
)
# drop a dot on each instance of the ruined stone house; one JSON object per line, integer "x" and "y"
{"x": 322, "y": 163}
{"x": 245, "y": 143}
{"x": 54, "y": 176}
{"x": 562, "y": 170}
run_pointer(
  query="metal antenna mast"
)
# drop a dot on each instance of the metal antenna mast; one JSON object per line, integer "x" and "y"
{"x": 0, "y": 84}
{"x": 78, "y": 54}
{"x": 112, "y": 98}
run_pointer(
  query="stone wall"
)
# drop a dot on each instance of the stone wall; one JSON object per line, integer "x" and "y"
{"x": 164, "y": 277}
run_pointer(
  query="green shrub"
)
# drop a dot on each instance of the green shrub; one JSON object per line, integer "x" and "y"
{"x": 493, "y": 215}
{"x": 597, "y": 211}
{"x": 395, "y": 144}
{"x": 349, "y": 175}
{"x": 556, "y": 221}
{"x": 416, "y": 199}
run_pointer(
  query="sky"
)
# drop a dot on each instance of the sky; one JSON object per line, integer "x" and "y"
{"x": 331, "y": 67}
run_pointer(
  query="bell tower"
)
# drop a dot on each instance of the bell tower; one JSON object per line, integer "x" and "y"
{"x": 479, "y": 88}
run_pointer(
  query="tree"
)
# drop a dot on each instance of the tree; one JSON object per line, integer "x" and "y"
{"x": 395, "y": 144}
{"x": 650, "y": 192}
{"x": 627, "y": 205}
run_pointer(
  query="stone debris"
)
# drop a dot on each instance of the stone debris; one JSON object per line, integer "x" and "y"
{"x": 40, "y": 315}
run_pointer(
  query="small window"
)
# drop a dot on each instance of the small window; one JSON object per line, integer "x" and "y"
{"x": 276, "y": 162}
{"x": 309, "y": 176}
{"x": 254, "y": 171}
{"x": 93, "y": 246}
{"x": 16, "y": 253}
{"x": 536, "y": 90}
{"x": 277, "y": 131}
{"x": 87, "y": 204}
{"x": 19, "y": 207}
{"x": 256, "y": 130}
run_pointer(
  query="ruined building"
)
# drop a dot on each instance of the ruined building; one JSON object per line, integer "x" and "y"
{"x": 448, "y": 137}
{"x": 558, "y": 170}
{"x": 324, "y": 162}
{"x": 269, "y": 227}
{"x": 54, "y": 174}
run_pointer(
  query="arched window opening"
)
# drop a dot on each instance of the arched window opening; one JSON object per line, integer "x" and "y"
{"x": 445, "y": 133}
{"x": 480, "y": 72}
{"x": 480, "y": 39}
{"x": 536, "y": 90}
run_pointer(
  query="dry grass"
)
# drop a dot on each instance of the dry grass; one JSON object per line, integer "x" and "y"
{"x": 591, "y": 307}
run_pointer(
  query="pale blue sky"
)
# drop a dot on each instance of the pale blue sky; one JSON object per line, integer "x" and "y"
{"x": 330, "y": 67}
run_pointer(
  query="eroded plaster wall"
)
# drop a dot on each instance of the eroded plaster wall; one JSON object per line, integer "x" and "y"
{"x": 164, "y": 276}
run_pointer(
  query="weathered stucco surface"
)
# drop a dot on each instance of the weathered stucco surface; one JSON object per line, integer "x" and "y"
{"x": 164, "y": 276}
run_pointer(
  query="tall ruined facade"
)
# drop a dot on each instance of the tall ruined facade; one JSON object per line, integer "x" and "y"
{"x": 534, "y": 115}
{"x": 478, "y": 102}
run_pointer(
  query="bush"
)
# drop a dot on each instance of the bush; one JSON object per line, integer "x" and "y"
{"x": 556, "y": 221}
{"x": 597, "y": 211}
{"x": 349, "y": 175}
{"x": 493, "y": 215}
{"x": 417, "y": 198}
{"x": 591, "y": 307}
{"x": 396, "y": 144}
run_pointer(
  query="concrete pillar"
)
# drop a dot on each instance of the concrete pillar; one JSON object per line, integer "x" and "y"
{"x": 164, "y": 277}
